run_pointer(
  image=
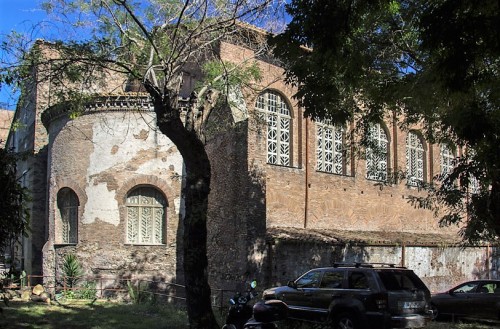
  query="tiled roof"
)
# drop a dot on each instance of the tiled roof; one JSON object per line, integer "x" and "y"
{"x": 358, "y": 237}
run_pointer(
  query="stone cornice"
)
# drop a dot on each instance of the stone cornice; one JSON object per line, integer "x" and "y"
{"x": 140, "y": 102}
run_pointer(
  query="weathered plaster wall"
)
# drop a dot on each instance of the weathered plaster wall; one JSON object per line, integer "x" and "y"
{"x": 103, "y": 155}
{"x": 439, "y": 267}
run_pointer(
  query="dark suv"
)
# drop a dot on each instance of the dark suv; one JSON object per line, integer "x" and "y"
{"x": 357, "y": 296}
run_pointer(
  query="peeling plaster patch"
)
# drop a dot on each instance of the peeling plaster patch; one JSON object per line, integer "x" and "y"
{"x": 161, "y": 165}
{"x": 143, "y": 135}
{"x": 114, "y": 149}
{"x": 98, "y": 205}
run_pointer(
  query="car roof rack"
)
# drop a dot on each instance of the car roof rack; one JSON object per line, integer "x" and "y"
{"x": 367, "y": 265}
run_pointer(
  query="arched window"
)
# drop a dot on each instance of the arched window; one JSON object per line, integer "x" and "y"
{"x": 145, "y": 216}
{"x": 67, "y": 202}
{"x": 376, "y": 153}
{"x": 446, "y": 159}
{"x": 330, "y": 148}
{"x": 414, "y": 159}
{"x": 278, "y": 119}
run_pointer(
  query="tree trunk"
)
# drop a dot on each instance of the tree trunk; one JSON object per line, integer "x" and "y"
{"x": 195, "y": 194}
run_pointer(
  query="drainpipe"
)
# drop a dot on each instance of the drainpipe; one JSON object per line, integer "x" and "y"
{"x": 403, "y": 253}
{"x": 306, "y": 192}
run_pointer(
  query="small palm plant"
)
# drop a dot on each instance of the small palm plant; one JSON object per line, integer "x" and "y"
{"x": 72, "y": 270}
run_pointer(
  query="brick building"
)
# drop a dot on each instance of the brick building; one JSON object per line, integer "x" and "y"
{"x": 287, "y": 192}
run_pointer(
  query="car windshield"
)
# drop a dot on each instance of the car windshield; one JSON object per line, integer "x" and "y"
{"x": 400, "y": 280}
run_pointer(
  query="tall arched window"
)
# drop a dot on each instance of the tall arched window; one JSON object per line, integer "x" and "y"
{"x": 330, "y": 148}
{"x": 414, "y": 159}
{"x": 446, "y": 159}
{"x": 67, "y": 202}
{"x": 376, "y": 153}
{"x": 145, "y": 216}
{"x": 278, "y": 119}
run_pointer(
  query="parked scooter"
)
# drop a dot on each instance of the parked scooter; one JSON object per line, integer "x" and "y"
{"x": 266, "y": 313}
{"x": 261, "y": 316}
{"x": 239, "y": 311}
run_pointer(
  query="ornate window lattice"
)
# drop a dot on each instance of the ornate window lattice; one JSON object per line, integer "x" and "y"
{"x": 67, "y": 202}
{"x": 329, "y": 148}
{"x": 145, "y": 216}
{"x": 447, "y": 160}
{"x": 414, "y": 159}
{"x": 376, "y": 153}
{"x": 278, "y": 121}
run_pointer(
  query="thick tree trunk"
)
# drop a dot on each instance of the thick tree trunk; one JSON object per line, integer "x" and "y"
{"x": 195, "y": 194}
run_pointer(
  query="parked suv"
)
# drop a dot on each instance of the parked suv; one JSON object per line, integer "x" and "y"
{"x": 357, "y": 296}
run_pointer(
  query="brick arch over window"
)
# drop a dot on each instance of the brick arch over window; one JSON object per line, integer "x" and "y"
{"x": 415, "y": 158}
{"x": 145, "y": 196}
{"x": 146, "y": 215}
{"x": 68, "y": 204}
{"x": 277, "y": 113}
{"x": 81, "y": 196}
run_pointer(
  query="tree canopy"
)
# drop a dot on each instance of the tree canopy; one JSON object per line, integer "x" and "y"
{"x": 14, "y": 217}
{"x": 435, "y": 62}
{"x": 155, "y": 44}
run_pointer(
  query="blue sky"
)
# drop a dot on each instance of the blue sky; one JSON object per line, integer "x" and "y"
{"x": 18, "y": 15}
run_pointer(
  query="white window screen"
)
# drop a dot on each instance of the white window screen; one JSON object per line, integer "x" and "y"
{"x": 278, "y": 127}
{"x": 414, "y": 159}
{"x": 329, "y": 148}
{"x": 376, "y": 153}
{"x": 145, "y": 216}
{"x": 447, "y": 158}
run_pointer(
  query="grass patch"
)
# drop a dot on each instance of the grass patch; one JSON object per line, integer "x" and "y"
{"x": 97, "y": 315}
{"x": 84, "y": 314}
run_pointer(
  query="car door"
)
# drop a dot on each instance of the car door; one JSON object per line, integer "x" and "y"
{"x": 298, "y": 299}
{"x": 330, "y": 288}
{"x": 459, "y": 298}
{"x": 483, "y": 302}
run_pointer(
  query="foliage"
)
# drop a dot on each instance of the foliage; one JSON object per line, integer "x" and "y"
{"x": 14, "y": 198}
{"x": 72, "y": 270}
{"x": 434, "y": 63}
{"x": 156, "y": 44}
{"x": 140, "y": 293}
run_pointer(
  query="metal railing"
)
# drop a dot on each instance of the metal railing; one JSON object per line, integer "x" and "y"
{"x": 111, "y": 287}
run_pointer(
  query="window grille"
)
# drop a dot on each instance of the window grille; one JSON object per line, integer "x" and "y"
{"x": 145, "y": 216}
{"x": 376, "y": 153}
{"x": 414, "y": 159}
{"x": 329, "y": 150}
{"x": 447, "y": 160}
{"x": 278, "y": 127}
{"x": 68, "y": 203}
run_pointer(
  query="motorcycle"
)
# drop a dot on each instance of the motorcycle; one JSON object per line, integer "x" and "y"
{"x": 261, "y": 316}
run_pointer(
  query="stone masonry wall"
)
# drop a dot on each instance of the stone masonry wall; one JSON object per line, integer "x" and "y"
{"x": 102, "y": 156}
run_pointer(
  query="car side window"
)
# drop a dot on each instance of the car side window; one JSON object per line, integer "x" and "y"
{"x": 466, "y": 288}
{"x": 358, "y": 280}
{"x": 332, "y": 280}
{"x": 309, "y": 280}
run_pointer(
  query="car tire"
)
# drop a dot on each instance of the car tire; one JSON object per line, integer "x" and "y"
{"x": 435, "y": 312}
{"x": 345, "y": 321}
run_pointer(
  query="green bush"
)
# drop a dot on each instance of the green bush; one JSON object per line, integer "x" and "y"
{"x": 72, "y": 270}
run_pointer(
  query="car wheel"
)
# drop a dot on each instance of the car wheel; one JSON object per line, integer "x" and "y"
{"x": 435, "y": 312}
{"x": 345, "y": 321}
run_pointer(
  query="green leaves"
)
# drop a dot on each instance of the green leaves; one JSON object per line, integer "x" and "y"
{"x": 436, "y": 62}
{"x": 14, "y": 200}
